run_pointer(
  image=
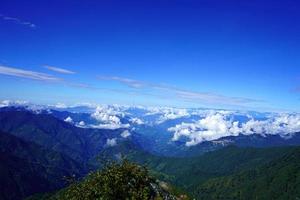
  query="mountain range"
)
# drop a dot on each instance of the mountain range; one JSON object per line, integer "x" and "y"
{"x": 41, "y": 146}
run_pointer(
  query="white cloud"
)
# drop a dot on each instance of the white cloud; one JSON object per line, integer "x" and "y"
{"x": 81, "y": 123}
{"x": 60, "y": 105}
{"x": 59, "y": 70}
{"x": 212, "y": 127}
{"x": 69, "y": 120}
{"x": 6, "y": 103}
{"x": 109, "y": 117}
{"x": 283, "y": 125}
{"x": 10, "y": 71}
{"x": 111, "y": 142}
{"x": 125, "y": 134}
{"x": 106, "y": 114}
{"x": 136, "y": 120}
{"x": 219, "y": 124}
{"x": 173, "y": 113}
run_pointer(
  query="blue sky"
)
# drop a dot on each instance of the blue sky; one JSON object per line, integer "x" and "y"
{"x": 220, "y": 54}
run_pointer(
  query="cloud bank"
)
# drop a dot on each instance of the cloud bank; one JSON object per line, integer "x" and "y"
{"x": 219, "y": 124}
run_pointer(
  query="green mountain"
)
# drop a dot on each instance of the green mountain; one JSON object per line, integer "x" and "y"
{"x": 189, "y": 173}
{"x": 278, "y": 179}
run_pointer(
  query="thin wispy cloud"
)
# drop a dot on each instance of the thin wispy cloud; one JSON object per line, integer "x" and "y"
{"x": 39, "y": 76}
{"x": 18, "y": 21}
{"x": 182, "y": 94}
{"x": 47, "y": 78}
{"x": 59, "y": 70}
{"x": 129, "y": 82}
{"x": 214, "y": 98}
{"x": 16, "y": 72}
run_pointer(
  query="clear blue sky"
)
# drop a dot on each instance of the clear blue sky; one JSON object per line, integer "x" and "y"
{"x": 222, "y": 54}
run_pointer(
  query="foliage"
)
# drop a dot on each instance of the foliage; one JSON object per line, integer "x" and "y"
{"x": 123, "y": 180}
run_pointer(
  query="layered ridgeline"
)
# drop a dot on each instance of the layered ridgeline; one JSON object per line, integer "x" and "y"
{"x": 38, "y": 149}
{"x": 81, "y": 144}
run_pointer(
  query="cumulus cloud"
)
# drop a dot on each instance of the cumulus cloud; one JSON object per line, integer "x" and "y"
{"x": 173, "y": 113}
{"x": 283, "y": 125}
{"x": 219, "y": 124}
{"x": 210, "y": 128}
{"x": 111, "y": 142}
{"x": 106, "y": 114}
{"x": 59, "y": 70}
{"x": 125, "y": 134}
{"x": 109, "y": 117}
{"x": 18, "y": 21}
{"x": 69, "y": 120}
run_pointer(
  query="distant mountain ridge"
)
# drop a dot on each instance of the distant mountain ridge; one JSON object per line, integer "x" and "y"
{"x": 52, "y": 133}
{"x": 153, "y": 138}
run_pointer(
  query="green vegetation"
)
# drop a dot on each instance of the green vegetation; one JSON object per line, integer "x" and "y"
{"x": 279, "y": 179}
{"x": 189, "y": 173}
{"x": 199, "y": 175}
{"x": 123, "y": 180}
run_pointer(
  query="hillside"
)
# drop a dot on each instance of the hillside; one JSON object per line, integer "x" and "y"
{"x": 189, "y": 173}
{"x": 55, "y": 134}
{"x": 279, "y": 179}
{"x": 27, "y": 168}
